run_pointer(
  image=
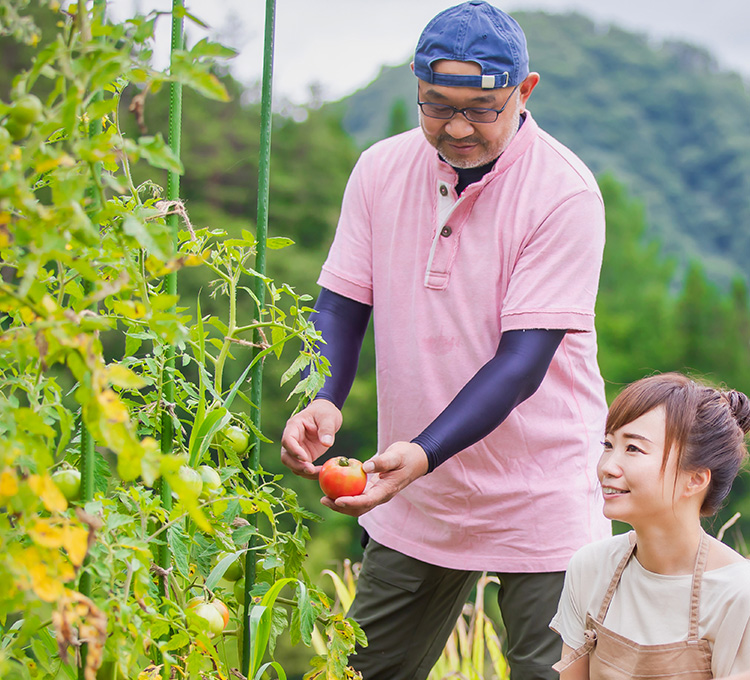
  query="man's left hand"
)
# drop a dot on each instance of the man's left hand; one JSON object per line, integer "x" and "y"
{"x": 389, "y": 472}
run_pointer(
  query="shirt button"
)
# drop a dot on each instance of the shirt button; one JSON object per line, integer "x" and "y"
{"x": 446, "y": 231}
{"x": 443, "y": 190}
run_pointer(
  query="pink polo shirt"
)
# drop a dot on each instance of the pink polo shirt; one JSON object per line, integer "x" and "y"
{"x": 446, "y": 276}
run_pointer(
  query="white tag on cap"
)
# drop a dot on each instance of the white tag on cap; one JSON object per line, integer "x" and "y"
{"x": 488, "y": 82}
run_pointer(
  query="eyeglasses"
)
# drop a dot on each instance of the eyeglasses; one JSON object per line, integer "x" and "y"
{"x": 471, "y": 113}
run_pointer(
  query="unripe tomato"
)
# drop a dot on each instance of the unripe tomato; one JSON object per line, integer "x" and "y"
{"x": 234, "y": 570}
{"x": 237, "y": 438}
{"x": 223, "y": 611}
{"x": 211, "y": 481}
{"x": 5, "y": 138}
{"x": 342, "y": 476}
{"x": 239, "y": 592}
{"x": 26, "y": 109}
{"x": 68, "y": 480}
{"x": 17, "y": 130}
{"x": 210, "y": 615}
{"x": 192, "y": 480}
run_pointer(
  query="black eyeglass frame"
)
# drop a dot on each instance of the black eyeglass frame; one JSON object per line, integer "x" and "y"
{"x": 463, "y": 111}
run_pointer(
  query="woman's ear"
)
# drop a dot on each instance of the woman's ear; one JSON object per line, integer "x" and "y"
{"x": 698, "y": 482}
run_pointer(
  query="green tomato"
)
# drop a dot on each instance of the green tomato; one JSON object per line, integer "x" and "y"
{"x": 211, "y": 481}
{"x": 26, "y": 110}
{"x": 239, "y": 592}
{"x": 68, "y": 481}
{"x": 191, "y": 479}
{"x": 17, "y": 130}
{"x": 211, "y": 618}
{"x": 237, "y": 438}
{"x": 5, "y": 138}
{"x": 234, "y": 570}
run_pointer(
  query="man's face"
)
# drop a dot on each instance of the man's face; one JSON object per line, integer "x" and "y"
{"x": 460, "y": 142}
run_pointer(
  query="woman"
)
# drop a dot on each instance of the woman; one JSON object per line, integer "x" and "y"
{"x": 665, "y": 599}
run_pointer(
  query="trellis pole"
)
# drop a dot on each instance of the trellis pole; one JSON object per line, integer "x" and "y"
{"x": 87, "y": 460}
{"x": 264, "y": 166}
{"x": 174, "y": 140}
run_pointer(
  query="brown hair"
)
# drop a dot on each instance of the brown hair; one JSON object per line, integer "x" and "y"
{"x": 705, "y": 427}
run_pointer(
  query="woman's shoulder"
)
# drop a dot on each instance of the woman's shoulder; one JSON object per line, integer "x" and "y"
{"x": 599, "y": 554}
{"x": 721, "y": 555}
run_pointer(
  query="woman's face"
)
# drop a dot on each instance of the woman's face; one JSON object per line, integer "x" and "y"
{"x": 634, "y": 487}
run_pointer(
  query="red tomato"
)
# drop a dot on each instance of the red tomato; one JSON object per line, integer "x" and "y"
{"x": 342, "y": 476}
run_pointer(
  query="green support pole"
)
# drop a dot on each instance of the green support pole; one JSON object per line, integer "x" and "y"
{"x": 264, "y": 166}
{"x": 173, "y": 194}
{"x": 87, "y": 460}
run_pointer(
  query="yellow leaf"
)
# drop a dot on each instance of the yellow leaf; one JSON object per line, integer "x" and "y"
{"x": 8, "y": 484}
{"x": 120, "y": 375}
{"x": 46, "y": 489}
{"x": 46, "y": 535}
{"x": 44, "y": 572}
{"x": 129, "y": 309}
{"x": 45, "y": 587}
{"x": 112, "y": 408}
{"x": 75, "y": 541}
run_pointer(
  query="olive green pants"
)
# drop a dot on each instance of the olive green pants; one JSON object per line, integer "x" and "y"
{"x": 408, "y": 608}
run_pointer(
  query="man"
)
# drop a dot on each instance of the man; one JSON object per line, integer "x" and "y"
{"x": 476, "y": 241}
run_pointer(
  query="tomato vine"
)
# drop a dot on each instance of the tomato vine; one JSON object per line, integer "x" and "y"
{"x": 86, "y": 328}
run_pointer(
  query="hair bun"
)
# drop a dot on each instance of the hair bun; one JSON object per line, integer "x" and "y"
{"x": 740, "y": 407}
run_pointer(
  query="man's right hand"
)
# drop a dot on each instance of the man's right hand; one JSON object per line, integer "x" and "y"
{"x": 308, "y": 435}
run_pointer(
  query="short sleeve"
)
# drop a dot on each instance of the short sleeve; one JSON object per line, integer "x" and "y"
{"x": 348, "y": 267}
{"x": 731, "y": 650}
{"x": 556, "y": 276}
{"x": 570, "y": 620}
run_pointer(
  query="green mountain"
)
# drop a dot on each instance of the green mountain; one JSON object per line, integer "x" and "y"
{"x": 662, "y": 118}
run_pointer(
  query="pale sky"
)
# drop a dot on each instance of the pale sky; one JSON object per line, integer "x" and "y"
{"x": 341, "y": 44}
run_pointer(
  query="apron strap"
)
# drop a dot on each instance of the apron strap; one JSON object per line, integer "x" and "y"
{"x": 589, "y": 636}
{"x": 616, "y": 578}
{"x": 695, "y": 594}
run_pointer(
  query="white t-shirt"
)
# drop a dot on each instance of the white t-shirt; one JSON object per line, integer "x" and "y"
{"x": 651, "y": 609}
{"x": 446, "y": 276}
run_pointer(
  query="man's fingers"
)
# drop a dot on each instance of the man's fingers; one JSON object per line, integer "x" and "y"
{"x": 301, "y": 467}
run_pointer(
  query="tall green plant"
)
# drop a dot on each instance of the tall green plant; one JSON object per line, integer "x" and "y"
{"x": 85, "y": 253}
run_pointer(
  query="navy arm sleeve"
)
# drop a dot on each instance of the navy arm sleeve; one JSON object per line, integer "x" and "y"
{"x": 342, "y": 322}
{"x": 510, "y": 377}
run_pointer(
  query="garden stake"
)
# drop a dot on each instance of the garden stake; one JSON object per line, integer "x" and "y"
{"x": 264, "y": 164}
{"x": 87, "y": 461}
{"x": 173, "y": 191}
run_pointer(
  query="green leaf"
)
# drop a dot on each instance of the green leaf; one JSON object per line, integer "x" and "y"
{"x": 221, "y": 566}
{"x": 156, "y": 151}
{"x": 307, "y": 613}
{"x": 203, "y": 433}
{"x": 243, "y": 534}
{"x": 278, "y": 242}
{"x": 140, "y": 231}
{"x": 178, "y": 545}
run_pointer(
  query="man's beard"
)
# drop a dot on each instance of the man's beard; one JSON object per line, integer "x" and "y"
{"x": 489, "y": 152}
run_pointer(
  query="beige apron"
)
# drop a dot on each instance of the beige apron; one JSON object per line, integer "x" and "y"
{"x": 614, "y": 657}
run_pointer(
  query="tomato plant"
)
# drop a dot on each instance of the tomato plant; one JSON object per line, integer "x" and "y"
{"x": 341, "y": 476}
{"x": 97, "y": 355}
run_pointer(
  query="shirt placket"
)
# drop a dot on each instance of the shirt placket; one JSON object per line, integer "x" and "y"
{"x": 444, "y": 242}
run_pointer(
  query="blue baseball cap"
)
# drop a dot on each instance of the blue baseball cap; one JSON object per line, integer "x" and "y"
{"x": 473, "y": 31}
